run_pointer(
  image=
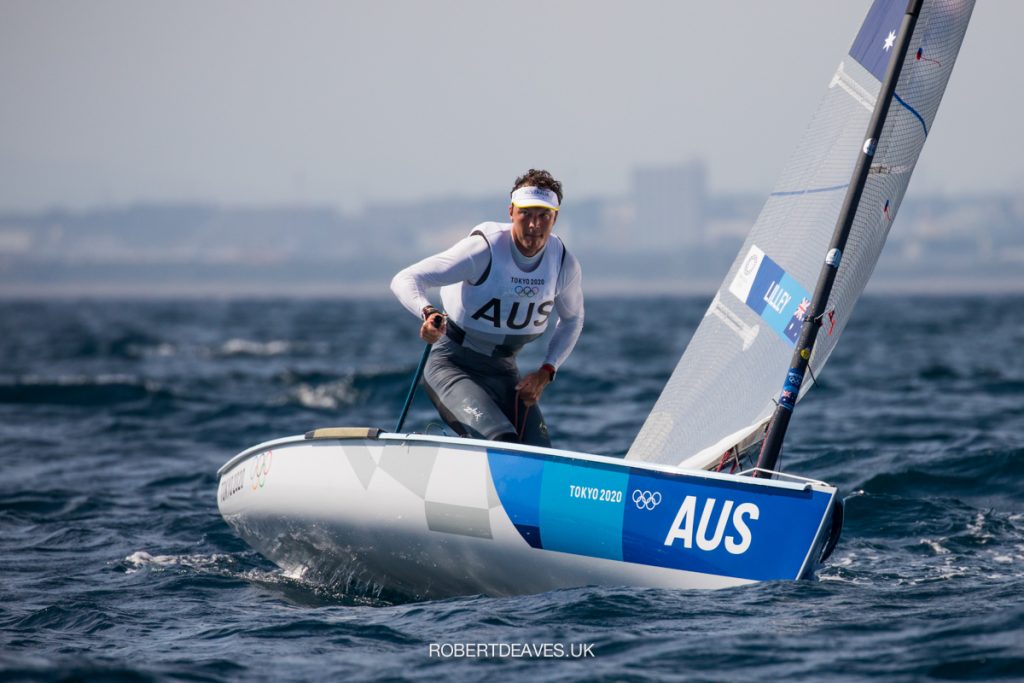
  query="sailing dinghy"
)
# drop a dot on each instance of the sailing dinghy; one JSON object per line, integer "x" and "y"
{"x": 433, "y": 516}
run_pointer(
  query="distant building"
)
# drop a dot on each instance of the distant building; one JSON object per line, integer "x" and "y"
{"x": 667, "y": 235}
{"x": 669, "y": 206}
{"x": 414, "y": 229}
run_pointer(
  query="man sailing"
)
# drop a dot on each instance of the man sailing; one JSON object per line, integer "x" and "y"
{"x": 500, "y": 286}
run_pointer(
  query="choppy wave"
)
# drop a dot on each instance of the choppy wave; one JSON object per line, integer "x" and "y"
{"x": 78, "y": 390}
{"x": 964, "y": 474}
{"x": 246, "y": 347}
{"x": 115, "y": 563}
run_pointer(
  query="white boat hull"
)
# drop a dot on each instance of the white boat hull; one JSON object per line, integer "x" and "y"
{"x": 436, "y": 516}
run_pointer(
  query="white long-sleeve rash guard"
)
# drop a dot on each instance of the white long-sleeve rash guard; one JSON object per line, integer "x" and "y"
{"x": 467, "y": 261}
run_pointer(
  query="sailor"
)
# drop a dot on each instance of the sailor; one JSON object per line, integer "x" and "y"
{"x": 501, "y": 287}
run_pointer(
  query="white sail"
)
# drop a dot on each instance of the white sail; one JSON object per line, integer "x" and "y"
{"x": 726, "y": 384}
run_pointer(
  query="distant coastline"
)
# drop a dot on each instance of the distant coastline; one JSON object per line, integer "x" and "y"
{"x": 628, "y": 246}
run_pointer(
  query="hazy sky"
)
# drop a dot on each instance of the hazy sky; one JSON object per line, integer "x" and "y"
{"x": 344, "y": 103}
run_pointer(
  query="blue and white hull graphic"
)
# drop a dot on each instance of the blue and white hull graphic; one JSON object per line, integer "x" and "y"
{"x": 437, "y": 516}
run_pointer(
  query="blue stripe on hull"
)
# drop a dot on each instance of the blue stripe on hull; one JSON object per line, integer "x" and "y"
{"x": 712, "y": 526}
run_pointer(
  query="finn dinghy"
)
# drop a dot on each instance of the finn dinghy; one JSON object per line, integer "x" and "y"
{"x": 431, "y": 516}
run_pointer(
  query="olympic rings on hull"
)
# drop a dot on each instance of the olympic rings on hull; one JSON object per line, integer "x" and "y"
{"x": 646, "y": 500}
{"x": 258, "y": 475}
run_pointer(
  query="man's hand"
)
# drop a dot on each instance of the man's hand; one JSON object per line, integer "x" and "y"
{"x": 532, "y": 386}
{"x": 433, "y": 327}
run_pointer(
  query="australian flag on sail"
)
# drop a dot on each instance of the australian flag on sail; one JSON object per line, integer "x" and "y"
{"x": 796, "y": 323}
{"x": 876, "y": 39}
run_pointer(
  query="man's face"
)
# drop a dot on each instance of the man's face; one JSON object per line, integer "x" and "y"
{"x": 531, "y": 227}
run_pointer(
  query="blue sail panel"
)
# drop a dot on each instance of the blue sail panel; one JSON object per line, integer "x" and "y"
{"x": 874, "y": 43}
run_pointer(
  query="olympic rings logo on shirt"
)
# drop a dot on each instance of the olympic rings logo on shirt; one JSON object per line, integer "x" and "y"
{"x": 526, "y": 290}
{"x": 646, "y": 499}
{"x": 258, "y": 476}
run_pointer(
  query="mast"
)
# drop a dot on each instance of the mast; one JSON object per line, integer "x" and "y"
{"x": 823, "y": 290}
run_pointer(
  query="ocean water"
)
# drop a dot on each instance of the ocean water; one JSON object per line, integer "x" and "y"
{"x": 115, "y": 564}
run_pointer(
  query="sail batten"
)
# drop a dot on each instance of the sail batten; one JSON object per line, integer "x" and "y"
{"x": 728, "y": 378}
{"x": 809, "y": 190}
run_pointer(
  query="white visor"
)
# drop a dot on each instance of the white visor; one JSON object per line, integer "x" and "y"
{"x": 530, "y": 196}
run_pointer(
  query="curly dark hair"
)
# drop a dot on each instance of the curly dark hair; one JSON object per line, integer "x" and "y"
{"x": 538, "y": 178}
